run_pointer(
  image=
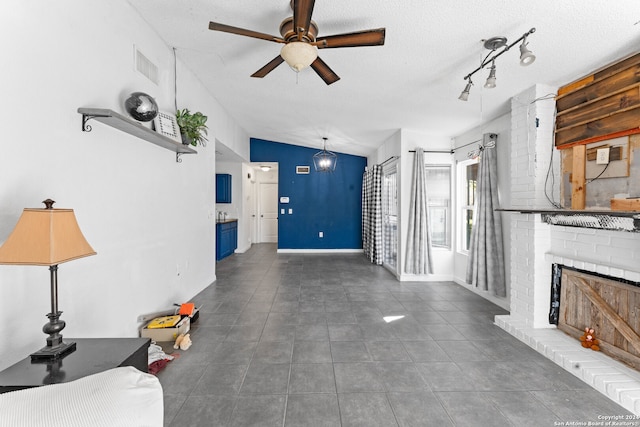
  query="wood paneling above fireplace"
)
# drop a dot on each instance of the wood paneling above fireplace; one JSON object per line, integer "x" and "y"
{"x": 601, "y": 106}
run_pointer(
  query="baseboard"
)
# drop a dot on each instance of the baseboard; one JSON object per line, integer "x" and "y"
{"x": 319, "y": 251}
{"x": 404, "y": 277}
{"x": 500, "y": 302}
{"x": 243, "y": 249}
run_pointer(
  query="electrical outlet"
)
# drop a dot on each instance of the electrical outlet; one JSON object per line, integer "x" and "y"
{"x": 321, "y": 234}
{"x": 603, "y": 156}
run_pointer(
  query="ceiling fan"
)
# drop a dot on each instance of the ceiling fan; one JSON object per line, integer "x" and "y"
{"x": 300, "y": 42}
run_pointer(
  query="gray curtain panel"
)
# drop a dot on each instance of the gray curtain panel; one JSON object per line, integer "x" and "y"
{"x": 372, "y": 214}
{"x": 485, "y": 266}
{"x": 418, "y": 259}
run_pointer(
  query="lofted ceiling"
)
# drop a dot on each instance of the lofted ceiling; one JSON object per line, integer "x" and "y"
{"x": 412, "y": 82}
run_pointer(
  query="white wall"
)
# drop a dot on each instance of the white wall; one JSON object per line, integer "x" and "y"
{"x": 247, "y": 216}
{"x": 391, "y": 147}
{"x": 502, "y": 127}
{"x": 150, "y": 219}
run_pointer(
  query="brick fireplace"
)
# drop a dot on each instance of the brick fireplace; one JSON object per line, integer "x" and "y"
{"x": 535, "y": 245}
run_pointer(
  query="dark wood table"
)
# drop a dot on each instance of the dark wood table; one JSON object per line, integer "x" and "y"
{"x": 92, "y": 355}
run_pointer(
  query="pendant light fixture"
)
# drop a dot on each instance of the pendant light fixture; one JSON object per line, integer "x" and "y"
{"x": 325, "y": 161}
{"x": 494, "y": 44}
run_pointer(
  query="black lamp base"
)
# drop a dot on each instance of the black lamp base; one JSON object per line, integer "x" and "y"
{"x": 51, "y": 353}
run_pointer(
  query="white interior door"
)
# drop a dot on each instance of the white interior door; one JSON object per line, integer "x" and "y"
{"x": 268, "y": 210}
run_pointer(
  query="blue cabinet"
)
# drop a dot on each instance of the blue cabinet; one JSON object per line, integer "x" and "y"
{"x": 226, "y": 238}
{"x": 223, "y": 188}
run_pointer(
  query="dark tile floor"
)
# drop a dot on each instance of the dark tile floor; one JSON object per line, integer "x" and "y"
{"x": 301, "y": 340}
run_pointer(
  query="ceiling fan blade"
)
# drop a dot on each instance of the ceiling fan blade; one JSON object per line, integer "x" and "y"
{"x": 269, "y": 67}
{"x": 360, "y": 38}
{"x": 323, "y": 70}
{"x": 244, "y": 32}
{"x": 302, "y": 11}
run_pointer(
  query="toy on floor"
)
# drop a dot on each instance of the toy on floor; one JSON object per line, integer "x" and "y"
{"x": 183, "y": 342}
{"x": 589, "y": 340}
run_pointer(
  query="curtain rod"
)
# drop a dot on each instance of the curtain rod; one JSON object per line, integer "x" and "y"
{"x": 434, "y": 151}
{"x": 390, "y": 159}
{"x": 453, "y": 150}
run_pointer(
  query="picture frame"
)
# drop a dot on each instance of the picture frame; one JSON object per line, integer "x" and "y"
{"x": 165, "y": 124}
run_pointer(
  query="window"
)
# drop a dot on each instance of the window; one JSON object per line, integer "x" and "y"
{"x": 438, "y": 179}
{"x": 468, "y": 173}
{"x": 390, "y": 216}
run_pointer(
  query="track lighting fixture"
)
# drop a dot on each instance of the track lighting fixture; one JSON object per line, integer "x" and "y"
{"x": 494, "y": 44}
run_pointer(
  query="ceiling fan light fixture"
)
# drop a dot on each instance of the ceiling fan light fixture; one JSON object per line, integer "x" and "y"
{"x": 299, "y": 55}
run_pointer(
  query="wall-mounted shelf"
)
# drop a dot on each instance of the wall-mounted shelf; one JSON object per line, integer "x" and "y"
{"x": 127, "y": 125}
{"x": 598, "y": 219}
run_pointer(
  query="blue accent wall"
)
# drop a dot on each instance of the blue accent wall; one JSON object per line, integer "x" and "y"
{"x": 327, "y": 202}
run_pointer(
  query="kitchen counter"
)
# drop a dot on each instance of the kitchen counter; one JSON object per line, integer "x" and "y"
{"x": 226, "y": 221}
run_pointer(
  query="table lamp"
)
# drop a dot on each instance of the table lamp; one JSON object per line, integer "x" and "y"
{"x": 47, "y": 237}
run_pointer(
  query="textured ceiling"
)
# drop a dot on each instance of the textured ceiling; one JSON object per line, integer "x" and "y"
{"x": 412, "y": 82}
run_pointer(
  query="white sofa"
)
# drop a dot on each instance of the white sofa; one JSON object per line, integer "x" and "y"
{"x": 117, "y": 397}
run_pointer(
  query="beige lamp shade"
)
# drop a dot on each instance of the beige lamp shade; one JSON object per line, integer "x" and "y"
{"x": 45, "y": 237}
{"x": 299, "y": 55}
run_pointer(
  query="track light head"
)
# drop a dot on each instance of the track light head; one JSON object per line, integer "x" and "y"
{"x": 491, "y": 80}
{"x": 464, "y": 96}
{"x": 526, "y": 56}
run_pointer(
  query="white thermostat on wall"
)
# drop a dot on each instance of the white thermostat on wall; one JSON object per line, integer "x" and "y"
{"x": 284, "y": 200}
{"x": 302, "y": 170}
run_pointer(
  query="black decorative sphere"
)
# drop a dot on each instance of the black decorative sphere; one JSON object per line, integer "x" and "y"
{"x": 141, "y": 106}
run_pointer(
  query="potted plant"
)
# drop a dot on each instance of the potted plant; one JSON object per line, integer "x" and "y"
{"x": 193, "y": 127}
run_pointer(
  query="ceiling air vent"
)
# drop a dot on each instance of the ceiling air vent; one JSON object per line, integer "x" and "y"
{"x": 145, "y": 67}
